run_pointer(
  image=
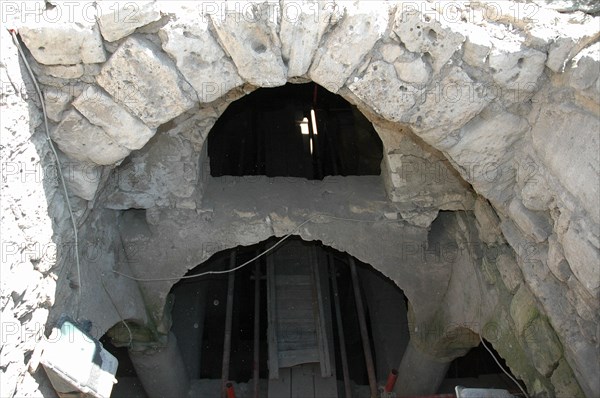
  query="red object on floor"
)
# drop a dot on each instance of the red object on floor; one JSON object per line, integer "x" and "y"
{"x": 391, "y": 381}
{"x": 230, "y": 390}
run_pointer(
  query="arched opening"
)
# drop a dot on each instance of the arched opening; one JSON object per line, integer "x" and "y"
{"x": 296, "y": 130}
{"x": 307, "y": 308}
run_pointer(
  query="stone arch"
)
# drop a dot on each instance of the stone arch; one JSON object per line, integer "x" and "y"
{"x": 474, "y": 100}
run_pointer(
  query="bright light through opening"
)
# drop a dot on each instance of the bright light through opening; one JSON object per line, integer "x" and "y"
{"x": 304, "y": 126}
{"x": 314, "y": 121}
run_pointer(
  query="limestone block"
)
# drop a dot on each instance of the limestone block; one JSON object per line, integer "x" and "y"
{"x": 100, "y": 109}
{"x": 556, "y": 260}
{"x": 81, "y": 140}
{"x": 348, "y": 42}
{"x": 563, "y": 137}
{"x": 583, "y": 259}
{"x": 56, "y": 102}
{"x": 66, "y": 38}
{"x": 487, "y": 221}
{"x": 585, "y": 67}
{"x": 514, "y": 67}
{"x": 416, "y": 71}
{"x": 131, "y": 77}
{"x": 64, "y": 71}
{"x": 249, "y": 35}
{"x": 447, "y": 105}
{"x": 119, "y": 19}
{"x": 380, "y": 88}
{"x": 543, "y": 346}
{"x": 485, "y": 149}
{"x": 564, "y": 382}
{"x": 201, "y": 60}
{"x": 422, "y": 34}
{"x": 523, "y": 309}
{"x": 509, "y": 271}
{"x": 302, "y": 26}
{"x": 534, "y": 224}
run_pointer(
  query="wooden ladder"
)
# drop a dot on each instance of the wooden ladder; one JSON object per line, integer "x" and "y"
{"x": 299, "y": 321}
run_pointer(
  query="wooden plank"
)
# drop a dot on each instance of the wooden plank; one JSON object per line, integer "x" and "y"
{"x": 325, "y": 387}
{"x": 322, "y": 339}
{"x": 297, "y": 357}
{"x": 272, "y": 319}
{"x": 302, "y": 382}
{"x": 327, "y": 304}
{"x": 281, "y": 387}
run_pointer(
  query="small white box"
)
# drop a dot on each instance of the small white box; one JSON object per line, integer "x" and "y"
{"x": 76, "y": 362}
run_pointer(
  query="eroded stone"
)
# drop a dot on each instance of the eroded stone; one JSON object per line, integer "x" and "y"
{"x": 100, "y": 109}
{"x": 81, "y": 140}
{"x": 131, "y": 77}
{"x": 119, "y": 19}
{"x": 199, "y": 57}
{"x": 249, "y": 35}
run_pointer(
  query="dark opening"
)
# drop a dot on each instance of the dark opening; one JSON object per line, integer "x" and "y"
{"x": 200, "y": 308}
{"x": 297, "y": 130}
{"x": 477, "y": 369}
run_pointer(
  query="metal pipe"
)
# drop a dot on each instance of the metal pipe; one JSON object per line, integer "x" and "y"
{"x": 364, "y": 334}
{"x": 228, "y": 322}
{"x": 391, "y": 381}
{"x": 340, "y": 327}
{"x": 255, "y": 362}
{"x": 230, "y": 390}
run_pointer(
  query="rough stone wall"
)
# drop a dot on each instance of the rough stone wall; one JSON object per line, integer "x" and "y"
{"x": 507, "y": 92}
{"x": 32, "y": 227}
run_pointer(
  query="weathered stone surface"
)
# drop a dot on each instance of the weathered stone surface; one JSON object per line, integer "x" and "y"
{"x": 131, "y": 75}
{"x": 509, "y": 271}
{"x": 564, "y": 382}
{"x": 164, "y": 171}
{"x": 556, "y": 260}
{"x": 119, "y": 19}
{"x": 347, "y": 44}
{"x": 381, "y": 89}
{"x": 534, "y": 224}
{"x": 415, "y": 71}
{"x": 523, "y": 309}
{"x": 514, "y": 67}
{"x": 59, "y": 41}
{"x": 302, "y": 27}
{"x": 565, "y": 137}
{"x": 423, "y": 34}
{"x": 100, "y": 109}
{"x": 56, "y": 102}
{"x": 583, "y": 259}
{"x": 420, "y": 178}
{"x": 487, "y": 221}
{"x": 447, "y": 105}
{"x": 543, "y": 346}
{"x": 249, "y": 35}
{"x": 82, "y": 178}
{"x": 64, "y": 71}
{"x": 199, "y": 57}
{"x": 485, "y": 148}
{"x": 585, "y": 67}
{"x": 81, "y": 140}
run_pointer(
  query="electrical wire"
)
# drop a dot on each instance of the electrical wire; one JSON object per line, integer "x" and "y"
{"x": 118, "y": 312}
{"x": 176, "y": 278}
{"x": 58, "y": 164}
{"x": 480, "y": 288}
